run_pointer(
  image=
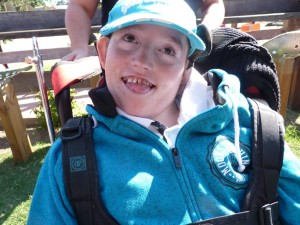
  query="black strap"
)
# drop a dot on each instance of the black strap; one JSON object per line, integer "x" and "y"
{"x": 272, "y": 149}
{"x": 262, "y": 216}
{"x": 267, "y": 157}
{"x": 80, "y": 172}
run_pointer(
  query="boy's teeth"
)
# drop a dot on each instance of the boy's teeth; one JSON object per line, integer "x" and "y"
{"x": 137, "y": 80}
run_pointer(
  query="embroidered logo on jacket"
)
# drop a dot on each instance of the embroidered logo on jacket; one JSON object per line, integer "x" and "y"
{"x": 77, "y": 163}
{"x": 224, "y": 165}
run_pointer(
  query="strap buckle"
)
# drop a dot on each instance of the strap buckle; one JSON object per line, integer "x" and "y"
{"x": 268, "y": 214}
{"x": 72, "y": 130}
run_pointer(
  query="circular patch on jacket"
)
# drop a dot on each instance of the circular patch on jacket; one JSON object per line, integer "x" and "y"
{"x": 77, "y": 163}
{"x": 224, "y": 165}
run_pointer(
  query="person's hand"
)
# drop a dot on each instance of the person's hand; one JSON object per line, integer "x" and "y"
{"x": 76, "y": 54}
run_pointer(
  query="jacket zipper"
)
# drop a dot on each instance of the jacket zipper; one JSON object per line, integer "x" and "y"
{"x": 176, "y": 157}
{"x": 161, "y": 129}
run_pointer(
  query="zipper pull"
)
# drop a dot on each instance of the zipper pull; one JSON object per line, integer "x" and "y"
{"x": 176, "y": 157}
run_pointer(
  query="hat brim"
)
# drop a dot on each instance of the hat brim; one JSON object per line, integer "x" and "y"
{"x": 144, "y": 18}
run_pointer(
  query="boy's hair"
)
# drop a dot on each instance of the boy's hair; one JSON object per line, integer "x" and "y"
{"x": 174, "y": 14}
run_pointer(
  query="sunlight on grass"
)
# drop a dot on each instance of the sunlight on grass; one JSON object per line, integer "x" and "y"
{"x": 19, "y": 214}
{"x": 292, "y": 137}
{"x": 17, "y": 184}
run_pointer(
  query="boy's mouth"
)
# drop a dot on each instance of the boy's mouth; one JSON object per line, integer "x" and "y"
{"x": 139, "y": 81}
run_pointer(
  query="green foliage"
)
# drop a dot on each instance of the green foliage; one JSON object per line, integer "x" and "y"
{"x": 40, "y": 112}
{"x": 292, "y": 137}
{"x": 18, "y": 3}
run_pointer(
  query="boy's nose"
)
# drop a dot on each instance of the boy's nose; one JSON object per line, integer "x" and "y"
{"x": 143, "y": 58}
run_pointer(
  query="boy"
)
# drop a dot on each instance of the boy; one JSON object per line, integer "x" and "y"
{"x": 195, "y": 168}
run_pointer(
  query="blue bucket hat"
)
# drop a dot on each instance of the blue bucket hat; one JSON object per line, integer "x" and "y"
{"x": 174, "y": 14}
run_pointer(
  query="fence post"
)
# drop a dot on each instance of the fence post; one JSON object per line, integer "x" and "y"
{"x": 13, "y": 123}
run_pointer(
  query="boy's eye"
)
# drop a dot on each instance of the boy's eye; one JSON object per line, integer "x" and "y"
{"x": 168, "y": 51}
{"x": 129, "y": 38}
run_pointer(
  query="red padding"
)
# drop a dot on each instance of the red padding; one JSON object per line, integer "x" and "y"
{"x": 66, "y": 73}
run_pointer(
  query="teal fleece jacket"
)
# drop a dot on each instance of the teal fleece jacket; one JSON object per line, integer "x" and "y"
{"x": 141, "y": 184}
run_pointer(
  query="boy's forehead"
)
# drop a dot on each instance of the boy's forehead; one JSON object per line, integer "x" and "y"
{"x": 161, "y": 31}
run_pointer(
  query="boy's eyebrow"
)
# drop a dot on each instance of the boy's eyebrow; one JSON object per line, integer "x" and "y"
{"x": 173, "y": 37}
{"x": 178, "y": 40}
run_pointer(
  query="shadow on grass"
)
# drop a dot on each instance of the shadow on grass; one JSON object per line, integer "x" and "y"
{"x": 35, "y": 133}
{"x": 3, "y": 142}
{"x": 18, "y": 180}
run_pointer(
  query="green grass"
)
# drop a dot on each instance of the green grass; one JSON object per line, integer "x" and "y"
{"x": 292, "y": 137}
{"x": 18, "y": 180}
{"x": 292, "y": 131}
{"x": 17, "y": 184}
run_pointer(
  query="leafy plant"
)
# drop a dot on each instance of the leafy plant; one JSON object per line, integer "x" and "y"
{"x": 40, "y": 112}
{"x": 17, "y": 3}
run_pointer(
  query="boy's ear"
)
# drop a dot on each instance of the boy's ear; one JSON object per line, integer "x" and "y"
{"x": 186, "y": 75}
{"x": 102, "y": 46}
{"x": 188, "y": 64}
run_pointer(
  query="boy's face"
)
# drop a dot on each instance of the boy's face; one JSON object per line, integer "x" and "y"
{"x": 144, "y": 67}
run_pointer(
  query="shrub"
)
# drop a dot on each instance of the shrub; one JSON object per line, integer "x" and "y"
{"x": 41, "y": 117}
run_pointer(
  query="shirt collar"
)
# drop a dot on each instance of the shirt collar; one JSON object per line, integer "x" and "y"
{"x": 140, "y": 120}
